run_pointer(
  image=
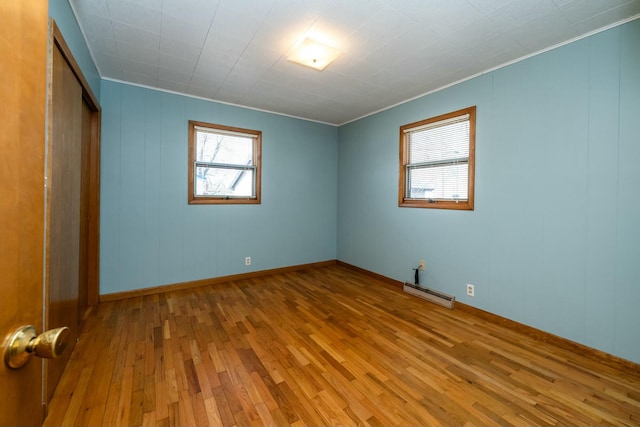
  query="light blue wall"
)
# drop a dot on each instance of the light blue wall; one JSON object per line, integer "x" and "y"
{"x": 554, "y": 241}
{"x": 150, "y": 236}
{"x": 62, "y": 13}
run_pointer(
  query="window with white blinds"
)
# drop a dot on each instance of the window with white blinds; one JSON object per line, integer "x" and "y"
{"x": 437, "y": 161}
{"x": 224, "y": 164}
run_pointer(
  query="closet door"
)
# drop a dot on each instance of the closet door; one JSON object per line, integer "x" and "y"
{"x": 72, "y": 200}
{"x": 85, "y": 213}
{"x": 64, "y": 172}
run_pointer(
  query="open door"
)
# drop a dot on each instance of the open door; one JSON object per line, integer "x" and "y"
{"x": 23, "y": 59}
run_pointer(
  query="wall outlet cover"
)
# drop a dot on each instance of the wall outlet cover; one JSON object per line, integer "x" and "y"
{"x": 471, "y": 291}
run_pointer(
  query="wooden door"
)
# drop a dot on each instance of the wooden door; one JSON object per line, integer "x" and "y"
{"x": 23, "y": 65}
{"x": 64, "y": 169}
{"x": 75, "y": 117}
{"x": 85, "y": 217}
{"x": 72, "y": 200}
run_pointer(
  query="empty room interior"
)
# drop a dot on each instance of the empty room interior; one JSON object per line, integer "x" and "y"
{"x": 323, "y": 212}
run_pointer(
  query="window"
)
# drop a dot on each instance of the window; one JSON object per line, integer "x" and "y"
{"x": 224, "y": 164}
{"x": 437, "y": 161}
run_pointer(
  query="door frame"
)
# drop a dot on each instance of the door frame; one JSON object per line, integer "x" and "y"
{"x": 56, "y": 40}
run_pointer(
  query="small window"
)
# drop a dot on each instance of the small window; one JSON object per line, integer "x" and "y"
{"x": 437, "y": 161}
{"x": 224, "y": 164}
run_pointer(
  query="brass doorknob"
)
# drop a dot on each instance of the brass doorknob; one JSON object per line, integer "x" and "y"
{"x": 26, "y": 342}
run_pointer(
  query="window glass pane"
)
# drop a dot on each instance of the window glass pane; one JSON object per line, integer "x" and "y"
{"x": 211, "y": 181}
{"x": 224, "y": 164}
{"x": 439, "y": 143}
{"x": 221, "y": 148}
{"x": 439, "y": 182}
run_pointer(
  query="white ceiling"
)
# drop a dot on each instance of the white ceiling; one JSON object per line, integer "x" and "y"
{"x": 236, "y": 51}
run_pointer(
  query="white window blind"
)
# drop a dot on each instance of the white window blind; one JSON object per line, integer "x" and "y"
{"x": 438, "y": 160}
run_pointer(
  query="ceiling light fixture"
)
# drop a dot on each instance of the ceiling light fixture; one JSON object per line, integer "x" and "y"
{"x": 314, "y": 54}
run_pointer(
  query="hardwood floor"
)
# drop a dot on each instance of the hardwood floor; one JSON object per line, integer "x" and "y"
{"x": 324, "y": 346}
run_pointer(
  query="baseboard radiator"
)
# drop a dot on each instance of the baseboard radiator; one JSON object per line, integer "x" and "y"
{"x": 436, "y": 297}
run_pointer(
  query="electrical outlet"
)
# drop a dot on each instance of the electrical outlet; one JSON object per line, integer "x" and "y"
{"x": 471, "y": 290}
{"x": 421, "y": 265}
{"x": 247, "y": 261}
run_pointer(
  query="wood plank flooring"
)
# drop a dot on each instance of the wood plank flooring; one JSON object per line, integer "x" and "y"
{"x": 324, "y": 346}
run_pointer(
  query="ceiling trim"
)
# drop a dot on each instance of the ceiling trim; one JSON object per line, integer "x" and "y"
{"x": 84, "y": 36}
{"x": 188, "y": 95}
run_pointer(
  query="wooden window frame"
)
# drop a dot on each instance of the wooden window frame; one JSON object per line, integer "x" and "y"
{"x": 404, "y": 161}
{"x": 257, "y": 160}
